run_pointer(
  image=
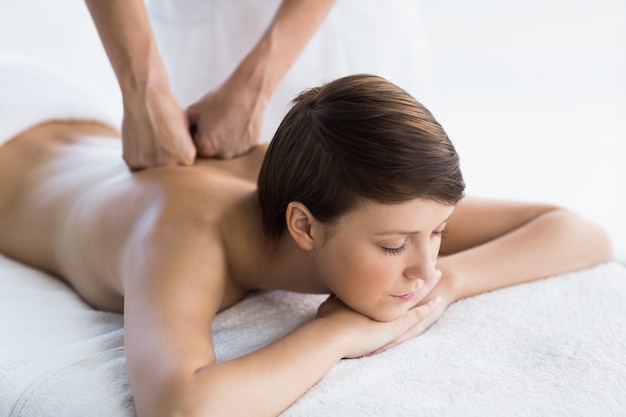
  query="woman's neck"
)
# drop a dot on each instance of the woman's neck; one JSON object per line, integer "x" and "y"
{"x": 256, "y": 263}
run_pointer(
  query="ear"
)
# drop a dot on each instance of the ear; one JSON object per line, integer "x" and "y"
{"x": 302, "y": 225}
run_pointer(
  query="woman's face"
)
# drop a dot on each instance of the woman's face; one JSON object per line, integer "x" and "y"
{"x": 378, "y": 255}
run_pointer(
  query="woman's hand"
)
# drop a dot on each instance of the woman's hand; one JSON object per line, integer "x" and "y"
{"x": 366, "y": 336}
{"x": 227, "y": 122}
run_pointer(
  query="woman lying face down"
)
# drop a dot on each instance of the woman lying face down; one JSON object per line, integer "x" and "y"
{"x": 359, "y": 196}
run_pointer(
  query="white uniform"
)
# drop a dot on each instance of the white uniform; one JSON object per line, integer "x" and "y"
{"x": 202, "y": 41}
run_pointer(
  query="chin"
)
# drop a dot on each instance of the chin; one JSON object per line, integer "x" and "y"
{"x": 379, "y": 310}
{"x": 383, "y": 315}
{"x": 387, "y": 317}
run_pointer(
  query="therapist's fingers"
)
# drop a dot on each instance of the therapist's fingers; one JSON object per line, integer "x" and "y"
{"x": 155, "y": 132}
{"x": 146, "y": 147}
{"x": 205, "y": 143}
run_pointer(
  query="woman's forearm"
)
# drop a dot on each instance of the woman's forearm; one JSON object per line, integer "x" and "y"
{"x": 554, "y": 242}
{"x": 262, "y": 383}
{"x": 267, "y": 381}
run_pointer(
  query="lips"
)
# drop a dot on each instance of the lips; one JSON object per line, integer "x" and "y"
{"x": 405, "y": 297}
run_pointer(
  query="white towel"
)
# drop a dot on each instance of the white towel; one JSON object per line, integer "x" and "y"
{"x": 32, "y": 92}
{"x": 553, "y": 347}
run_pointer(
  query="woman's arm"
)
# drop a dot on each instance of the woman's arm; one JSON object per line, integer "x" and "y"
{"x": 492, "y": 244}
{"x": 155, "y": 129}
{"x": 228, "y": 120}
{"x": 173, "y": 288}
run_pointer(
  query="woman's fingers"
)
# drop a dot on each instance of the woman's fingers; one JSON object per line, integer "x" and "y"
{"x": 370, "y": 336}
{"x": 428, "y": 286}
{"x": 420, "y": 317}
{"x": 417, "y": 320}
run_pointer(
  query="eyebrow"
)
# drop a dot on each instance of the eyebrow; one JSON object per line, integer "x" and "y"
{"x": 407, "y": 232}
{"x": 398, "y": 232}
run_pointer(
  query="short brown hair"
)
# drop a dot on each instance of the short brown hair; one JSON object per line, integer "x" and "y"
{"x": 358, "y": 137}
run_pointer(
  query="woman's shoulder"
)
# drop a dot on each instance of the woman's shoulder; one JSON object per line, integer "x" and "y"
{"x": 187, "y": 223}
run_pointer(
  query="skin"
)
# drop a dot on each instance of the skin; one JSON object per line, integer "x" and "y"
{"x": 170, "y": 247}
{"x": 381, "y": 256}
{"x": 227, "y": 120}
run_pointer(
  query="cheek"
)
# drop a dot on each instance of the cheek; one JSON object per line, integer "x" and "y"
{"x": 363, "y": 271}
{"x": 379, "y": 270}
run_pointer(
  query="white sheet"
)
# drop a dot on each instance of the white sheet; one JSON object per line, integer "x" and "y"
{"x": 32, "y": 91}
{"x": 553, "y": 347}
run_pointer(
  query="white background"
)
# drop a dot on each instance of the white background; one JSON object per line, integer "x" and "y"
{"x": 532, "y": 92}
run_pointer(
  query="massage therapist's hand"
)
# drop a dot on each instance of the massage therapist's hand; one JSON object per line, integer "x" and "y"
{"x": 155, "y": 131}
{"x": 227, "y": 121}
{"x": 365, "y": 336}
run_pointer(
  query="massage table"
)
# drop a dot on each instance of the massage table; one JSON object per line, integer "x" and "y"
{"x": 553, "y": 347}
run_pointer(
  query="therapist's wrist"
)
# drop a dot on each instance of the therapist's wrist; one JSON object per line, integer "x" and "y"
{"x": 138, "y": 74}
{"x": 261, "y": 71}
{"x": 144, "y": 89}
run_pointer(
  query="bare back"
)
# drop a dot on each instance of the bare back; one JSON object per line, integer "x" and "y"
{"x": 69, "y": 205}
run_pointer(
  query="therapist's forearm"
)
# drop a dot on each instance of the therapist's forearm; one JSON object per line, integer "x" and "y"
{"x": 127, "y": 37}
{"x": 295, "y": 22}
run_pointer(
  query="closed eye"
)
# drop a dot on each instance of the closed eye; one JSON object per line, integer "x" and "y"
{"x": 394, "y": 251}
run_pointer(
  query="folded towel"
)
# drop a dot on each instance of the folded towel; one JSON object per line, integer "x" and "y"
{"x": 32, "y": 92}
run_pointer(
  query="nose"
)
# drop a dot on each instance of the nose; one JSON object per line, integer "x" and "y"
{"x": 421, "y": 265}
